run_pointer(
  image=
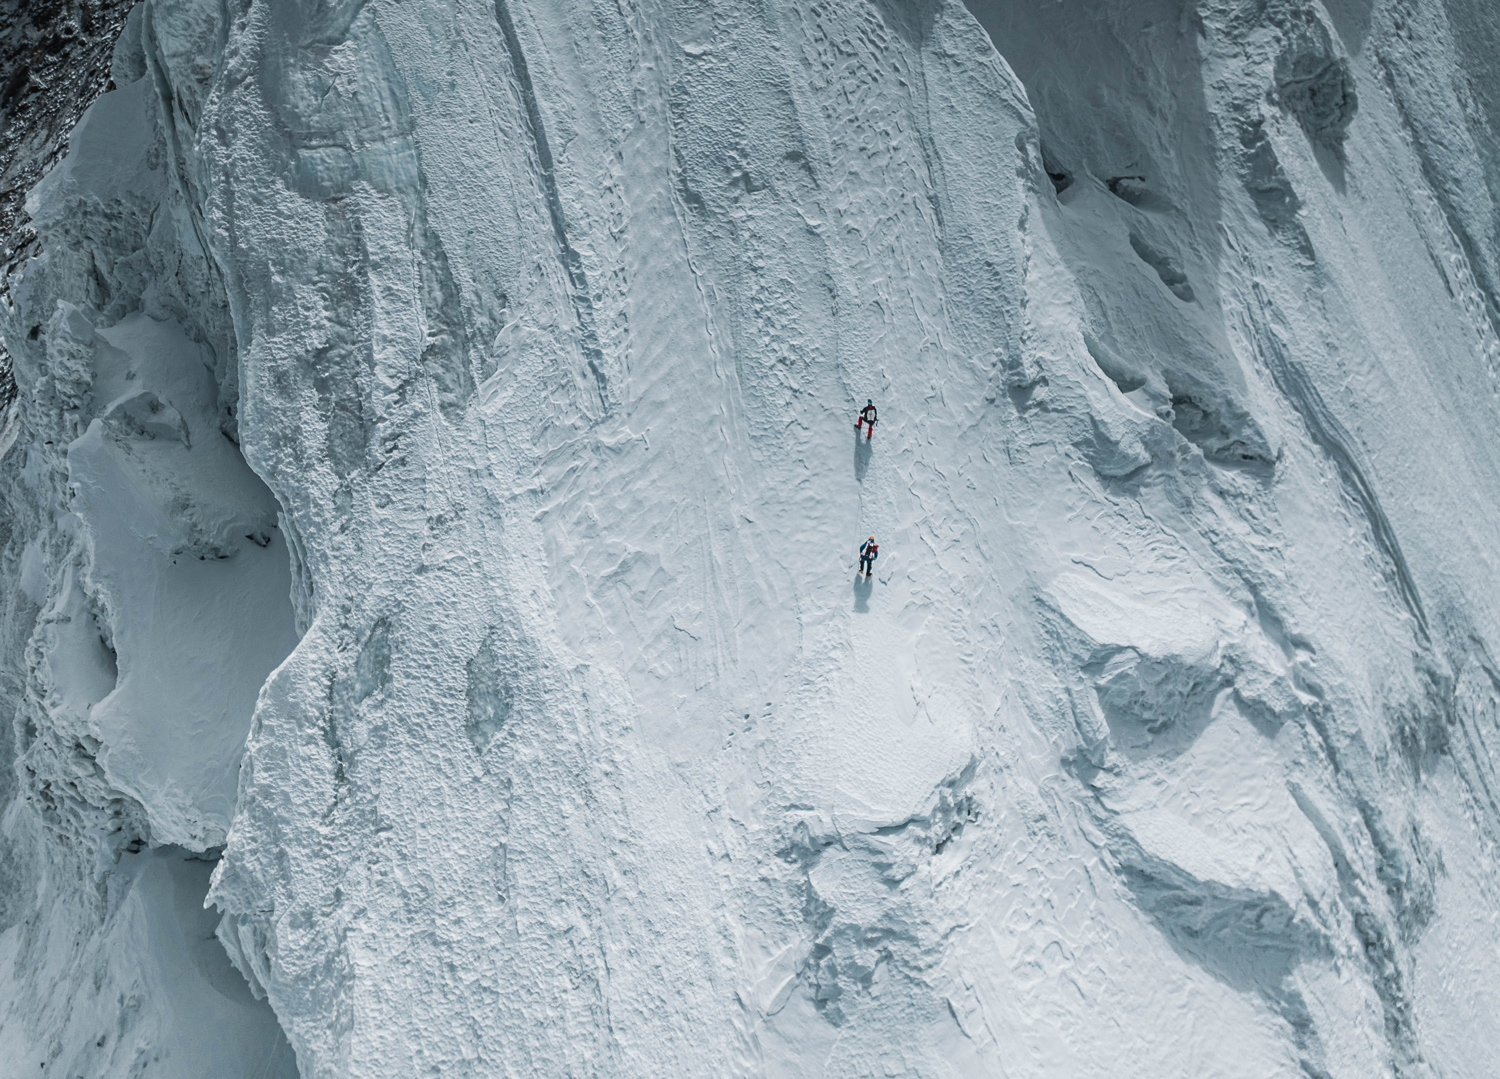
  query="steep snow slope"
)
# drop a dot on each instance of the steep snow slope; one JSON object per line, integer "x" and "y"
{"x": 1160, "y": 742}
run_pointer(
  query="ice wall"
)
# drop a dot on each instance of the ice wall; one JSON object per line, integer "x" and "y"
{"x": 470, "y": 388}
{"x": 149, "y": 596}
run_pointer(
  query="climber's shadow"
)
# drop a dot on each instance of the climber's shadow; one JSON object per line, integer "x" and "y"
{"x": 862, "y": 449}
{"x": 863, "y": 586}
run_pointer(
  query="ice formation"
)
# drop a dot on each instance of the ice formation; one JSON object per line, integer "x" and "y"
{"x": 431, "y": 632}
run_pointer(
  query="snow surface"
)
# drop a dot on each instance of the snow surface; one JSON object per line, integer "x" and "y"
{"x": 451, "y": 406}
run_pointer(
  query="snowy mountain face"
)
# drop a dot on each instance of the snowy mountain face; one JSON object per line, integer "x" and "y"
{"x": 431, "y": 633}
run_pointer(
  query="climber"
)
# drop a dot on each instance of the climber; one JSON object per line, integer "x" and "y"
{"x": 867, "y": 552}
{"x": 866, "y": 415}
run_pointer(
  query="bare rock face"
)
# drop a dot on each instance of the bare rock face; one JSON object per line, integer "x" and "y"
{"x": 1316, "y": 84}
{"x": 57, "y": 59}
{"x": 431, "y": 633}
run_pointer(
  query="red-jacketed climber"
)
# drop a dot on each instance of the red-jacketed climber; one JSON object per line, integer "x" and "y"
{"x": 866, "y": 415}
{"x": 867, "y": 552}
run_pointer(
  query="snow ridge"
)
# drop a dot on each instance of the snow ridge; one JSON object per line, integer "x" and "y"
{"x": 572, "y": 263}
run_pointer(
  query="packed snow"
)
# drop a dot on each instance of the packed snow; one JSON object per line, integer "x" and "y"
{"x": 434, "y": 638}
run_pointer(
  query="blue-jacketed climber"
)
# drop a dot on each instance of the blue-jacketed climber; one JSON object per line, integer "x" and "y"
{"x": 867, "y": 552}
{"x": 866, "y": 415}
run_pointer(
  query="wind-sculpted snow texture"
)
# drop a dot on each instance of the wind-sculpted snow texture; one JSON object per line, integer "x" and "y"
{"x": 467, "y": 391}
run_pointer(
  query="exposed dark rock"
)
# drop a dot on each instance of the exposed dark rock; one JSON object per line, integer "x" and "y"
{"x": 57, "y": 53}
